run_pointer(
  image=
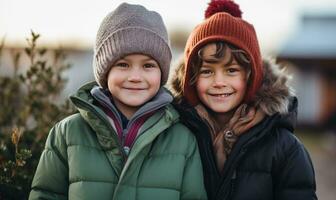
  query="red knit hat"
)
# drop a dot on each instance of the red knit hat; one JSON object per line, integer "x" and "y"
{"x": 224, "y": 23}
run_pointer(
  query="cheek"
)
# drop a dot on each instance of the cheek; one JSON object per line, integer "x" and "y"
{"x": 111, "y": 84}
{"x": 112, "y": 74}
{"x": 154, "y": 79}
{"x": 241, "y": 85}
{"x": 157, "y": 78}
{"x": 114, "y": 77}
{"x": 201, "y": 86}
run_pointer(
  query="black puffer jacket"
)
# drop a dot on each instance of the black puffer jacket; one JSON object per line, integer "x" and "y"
{"x": 268, "y": 161}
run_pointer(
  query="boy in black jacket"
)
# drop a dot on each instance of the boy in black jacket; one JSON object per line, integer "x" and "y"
{"x": 242, "y": 112}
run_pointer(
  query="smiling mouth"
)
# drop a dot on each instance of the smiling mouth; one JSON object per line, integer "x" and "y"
{"x": 135, "y": 89}
{"x": 221, "y": 95}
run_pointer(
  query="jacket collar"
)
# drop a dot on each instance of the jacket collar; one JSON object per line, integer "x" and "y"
{"x": 98, "y": 120}
{"x": 161, "y": 99}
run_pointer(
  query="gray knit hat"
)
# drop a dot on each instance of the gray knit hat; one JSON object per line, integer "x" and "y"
{"x": 126, "y": 30}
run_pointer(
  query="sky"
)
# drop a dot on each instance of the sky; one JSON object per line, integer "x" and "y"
{"x": 63, "y": 22}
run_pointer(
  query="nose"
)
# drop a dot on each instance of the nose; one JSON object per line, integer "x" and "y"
{"x": 135, "y": 75}
{"x": 219, "y": 81}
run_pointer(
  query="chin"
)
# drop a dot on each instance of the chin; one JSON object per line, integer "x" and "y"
{"x": 218, "y": 109}
{"x": 135, "y": 104}
{"x": 221, "y": 110}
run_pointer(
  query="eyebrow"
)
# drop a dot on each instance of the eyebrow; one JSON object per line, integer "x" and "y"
{"x": 143, "y": 60}
{"x": 210, "y": 60}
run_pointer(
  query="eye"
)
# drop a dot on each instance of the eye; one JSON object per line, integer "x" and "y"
{"x": 150, "y": 65}
{"x": 232, "y": 70}
{"x": 205, "y": 72}
{"x": 121, "y": 64}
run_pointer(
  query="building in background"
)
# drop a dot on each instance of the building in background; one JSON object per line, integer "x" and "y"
{"x": 311, "y": 52}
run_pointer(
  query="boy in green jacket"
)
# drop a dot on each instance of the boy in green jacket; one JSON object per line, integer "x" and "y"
{"x": 126, "y": 142}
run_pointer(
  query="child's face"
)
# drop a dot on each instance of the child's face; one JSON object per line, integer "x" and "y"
{"x": 133, "y": 80}
{"x": 221, "y": 84}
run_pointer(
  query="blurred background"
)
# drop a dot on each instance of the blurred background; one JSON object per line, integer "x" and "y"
{"x": 301, "y": 34}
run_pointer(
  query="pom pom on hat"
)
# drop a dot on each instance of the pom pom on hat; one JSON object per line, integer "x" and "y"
{"x": 227, "y": 6}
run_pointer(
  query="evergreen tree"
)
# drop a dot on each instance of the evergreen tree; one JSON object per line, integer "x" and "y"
{"x": 29, "y": 107}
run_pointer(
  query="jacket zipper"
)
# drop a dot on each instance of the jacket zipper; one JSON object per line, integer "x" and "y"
{"x": 129, "y": 125}
{"x": 233, "y": 182}
{"x": 140, "y": 133}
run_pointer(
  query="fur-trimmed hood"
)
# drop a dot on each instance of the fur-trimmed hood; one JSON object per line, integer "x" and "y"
{"x": 272, "y": 97}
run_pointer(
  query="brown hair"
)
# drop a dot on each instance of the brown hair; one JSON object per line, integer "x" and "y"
{"x": 239, "y": 55}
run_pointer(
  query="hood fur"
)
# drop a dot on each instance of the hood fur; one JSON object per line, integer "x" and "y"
{"x": 272, "y": 97}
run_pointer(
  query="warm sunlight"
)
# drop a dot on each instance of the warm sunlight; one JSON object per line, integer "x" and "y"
{"x": 75, "y": 22}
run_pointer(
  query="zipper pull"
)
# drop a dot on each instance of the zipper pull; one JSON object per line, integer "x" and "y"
{"x": 123, "y": 136}
{"x": 126, "y": 150}
{"x": 233, "y": 182}
{"x": 234, "y": 175}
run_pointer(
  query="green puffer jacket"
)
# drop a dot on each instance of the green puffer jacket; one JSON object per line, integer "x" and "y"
{"x": 84, "y": 160}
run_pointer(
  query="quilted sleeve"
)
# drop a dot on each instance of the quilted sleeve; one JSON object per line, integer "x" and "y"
{"x": 296, "y": 177}
{"x": 51, "y": 176}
